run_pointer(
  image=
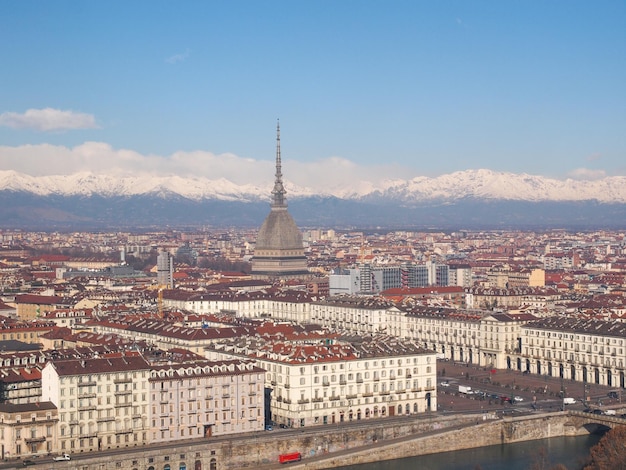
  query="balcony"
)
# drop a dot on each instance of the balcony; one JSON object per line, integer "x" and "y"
{"x": 287, "y": 386}
{"x": 359, "y": 381}
{"x": 86, "y": 384}
{"x": 86, "y": 395}
{"x": 123, "y": 381}
{"x": 317, "y": 400}
{"x": 32, "y": 440}
{"x": 105, "y": 419}
{"x": 303, "y": 402}
{"x": 333, "y": 398}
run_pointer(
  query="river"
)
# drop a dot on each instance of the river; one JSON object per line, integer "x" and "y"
{"x": 569, "y": 451}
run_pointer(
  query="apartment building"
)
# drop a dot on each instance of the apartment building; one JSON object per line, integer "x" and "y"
{"x": 103, "y": 402}
{"x": 27, "y": 429}
{"x": 584, "y": 350}
{"x": 31, "y": 306}
{"x": 203, "y": 399}
{"x": 163, "y": 334}
{"x": 367, "y": 278}
{"x": 515, "y": 297}
{"x": 356, "y": 314}
{"x": 288, "y": 305}
{"x": 323, "y": 382}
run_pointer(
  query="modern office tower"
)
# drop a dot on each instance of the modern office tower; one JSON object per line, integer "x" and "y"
{"x": 165, "y": 269}
{"x": 279, "y": 252}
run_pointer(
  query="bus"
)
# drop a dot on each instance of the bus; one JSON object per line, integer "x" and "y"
{"x": 291, "y": 457}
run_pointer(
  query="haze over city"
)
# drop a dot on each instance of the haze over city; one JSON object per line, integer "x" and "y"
{"x": 364, "y": 90}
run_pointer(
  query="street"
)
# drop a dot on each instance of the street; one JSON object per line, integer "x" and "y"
{"x": 543, "y": 392}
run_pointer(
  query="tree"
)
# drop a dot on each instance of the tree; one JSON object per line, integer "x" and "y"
{"x": 610, "y": 452}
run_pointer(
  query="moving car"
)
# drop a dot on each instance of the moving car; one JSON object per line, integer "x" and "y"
{"x": 62, "y": 457}
{"x": 27, "y": 462}
{"x": 517, "y": 398}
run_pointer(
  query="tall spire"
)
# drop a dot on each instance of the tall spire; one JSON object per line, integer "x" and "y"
{"x": 278, "y": 193}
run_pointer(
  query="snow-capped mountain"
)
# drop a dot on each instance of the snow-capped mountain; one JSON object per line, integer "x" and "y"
{"x": 470, "y": 199}
{"x": 476, "y": 184}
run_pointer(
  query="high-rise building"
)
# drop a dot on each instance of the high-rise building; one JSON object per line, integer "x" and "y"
{"x": 165, "y": 269}
{"x": 279, "y": 252}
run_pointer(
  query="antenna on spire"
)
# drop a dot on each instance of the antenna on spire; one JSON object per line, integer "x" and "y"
{"x": 278, "y": 193}
{"x": 278, "y": 162}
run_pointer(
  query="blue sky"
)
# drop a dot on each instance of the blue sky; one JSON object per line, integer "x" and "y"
{"x": 370, "y": 88}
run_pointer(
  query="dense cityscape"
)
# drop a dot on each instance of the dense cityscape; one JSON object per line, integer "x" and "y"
{"x": 125, "y": 339}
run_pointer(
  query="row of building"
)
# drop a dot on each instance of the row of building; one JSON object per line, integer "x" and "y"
{"x": 503, "y": 340}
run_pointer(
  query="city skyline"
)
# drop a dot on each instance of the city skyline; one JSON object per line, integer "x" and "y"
{"x": 364, "y": 91}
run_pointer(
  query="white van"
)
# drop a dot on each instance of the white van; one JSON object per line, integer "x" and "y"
{"x": 569, "y": 401}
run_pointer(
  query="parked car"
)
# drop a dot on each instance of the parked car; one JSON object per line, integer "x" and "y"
{"x": 444, "y": 383}
{"x": 62, "y": 457}
{"x": 613, "y": 395}
{"x": 27, "y": 462}
{"x": 269, "y": 427}
{"x": 597, "y": 412}
{"x": 517, "y": 399}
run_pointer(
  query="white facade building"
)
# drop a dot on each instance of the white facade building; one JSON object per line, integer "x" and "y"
{"x": 102, "y": 403}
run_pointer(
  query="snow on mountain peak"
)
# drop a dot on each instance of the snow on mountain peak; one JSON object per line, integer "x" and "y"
{"x": 480, "y": 184}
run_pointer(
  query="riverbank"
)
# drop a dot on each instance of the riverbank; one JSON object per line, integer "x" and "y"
{"x": 480, "y": 433}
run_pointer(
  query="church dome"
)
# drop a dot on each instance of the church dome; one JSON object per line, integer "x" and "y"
{"x": 279, "y": 232}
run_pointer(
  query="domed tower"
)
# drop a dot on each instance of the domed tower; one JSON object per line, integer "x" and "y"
{"x": 279, "y": 252}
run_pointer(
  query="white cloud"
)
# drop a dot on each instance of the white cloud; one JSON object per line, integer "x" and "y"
{"x": 48, "y": 119}
{"x": 102, "y": 158}
{"x": 586, "y": 174}
{"x": 178, "y": 57}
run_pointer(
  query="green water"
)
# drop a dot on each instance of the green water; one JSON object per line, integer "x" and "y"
{"x": 569, "y": 451}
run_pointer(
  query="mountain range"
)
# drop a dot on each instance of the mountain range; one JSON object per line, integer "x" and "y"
{"x": 471, "y": 198}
